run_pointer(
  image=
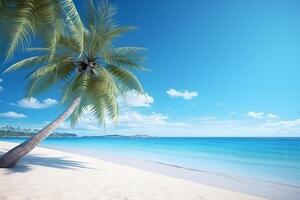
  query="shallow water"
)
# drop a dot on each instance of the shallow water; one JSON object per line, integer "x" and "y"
{"x": 267, "y": 159}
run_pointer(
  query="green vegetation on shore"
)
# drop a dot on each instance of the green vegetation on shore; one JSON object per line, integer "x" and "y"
{"x": 8, "y": 131}
{"x": 18, "y": 132}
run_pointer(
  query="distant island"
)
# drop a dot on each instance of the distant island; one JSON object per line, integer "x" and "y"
{"x": 17, "y": 132}
{"x": 120, "y": 136}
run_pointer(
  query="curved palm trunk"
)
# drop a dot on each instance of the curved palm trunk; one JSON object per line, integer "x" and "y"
{"x": 12, "y": 157}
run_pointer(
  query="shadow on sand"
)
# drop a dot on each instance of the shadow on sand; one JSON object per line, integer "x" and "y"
{"x": 26, "y": 163}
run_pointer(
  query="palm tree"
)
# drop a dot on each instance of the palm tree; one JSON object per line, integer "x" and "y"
{"x": 91, "y": 81}
{"x": 25, "y": 20}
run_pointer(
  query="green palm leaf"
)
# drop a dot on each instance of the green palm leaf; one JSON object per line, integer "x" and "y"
{"x": 69, "y": 43}
{"x": 54, "y": 67}
{"x": 125, "y": 56}
{"x": 75, "y": 116}
{"x": 126, "y": 81}
{"x": 105, "y": 13}
{"x": 25, "y": 63}
{"x": 25, "y": 21}
{"x": 74, "y": 21}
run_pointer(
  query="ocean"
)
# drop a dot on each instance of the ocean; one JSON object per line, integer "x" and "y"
{"x": 265, "y": 159}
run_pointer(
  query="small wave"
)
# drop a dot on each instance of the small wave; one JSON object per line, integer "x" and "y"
{"x": 227, "y": 176}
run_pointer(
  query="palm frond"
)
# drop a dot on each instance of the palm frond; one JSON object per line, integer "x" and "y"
{"x": 26, "y": 63}
{"x": 74, "y": 21}
{"x": 48, "y": 13}
{"x": 67, "y": 93}
{"x": 54, "y": 41}
{"x": 105, "y": 93}
{"x": 125, "y": 56}
{"x": 54, "y": 67}
{"x": 69, "y": 42}
{"x": 116, "y": 32}
{"x": 52, "y": 23}
{"x": 75, "y": 116}
{"x": 97, "y": 108}
{"x": 104, "y": 107}
{"x": 105, "y": 13}
{"x": 111, "y": 106}
{"x": 25, "y": 27}
{"x": 37, "y": 49}
{"x": 47, "y": 76}
{"x": 80, "y": 83}
{"x": 49, "y": 16}
{"x": 103, "y": 37}
{"x": 4, "y": 4}
{"x": 108, "y": 80}
{"x": 38, "y": 86}
{"x": 91, "y": 14}
{"x": 125, "y": 80}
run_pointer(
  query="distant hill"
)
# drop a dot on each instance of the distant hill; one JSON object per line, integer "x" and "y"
{"x": 141, "y": 136}
{"x": 120, "y": 136}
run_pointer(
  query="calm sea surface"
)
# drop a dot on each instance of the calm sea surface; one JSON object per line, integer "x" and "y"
{"x": 267, "y": 159}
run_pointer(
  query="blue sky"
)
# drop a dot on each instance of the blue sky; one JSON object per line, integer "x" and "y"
{"x": 218, "y": 68}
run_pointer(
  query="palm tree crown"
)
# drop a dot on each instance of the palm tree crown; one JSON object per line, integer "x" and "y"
{"x": 89, "y": 67}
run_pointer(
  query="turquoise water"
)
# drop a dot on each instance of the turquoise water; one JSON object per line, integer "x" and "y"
{"x": 267, "y": 159}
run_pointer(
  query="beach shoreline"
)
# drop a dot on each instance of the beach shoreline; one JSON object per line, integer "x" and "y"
{"x": 177, "y": 182}
{"x": 256, "y": 187}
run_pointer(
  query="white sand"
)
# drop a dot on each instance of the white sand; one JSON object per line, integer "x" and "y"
{"x": 50, "y": 174}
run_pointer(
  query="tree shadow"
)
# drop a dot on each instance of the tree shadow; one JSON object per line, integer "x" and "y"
{"x": 26, "y": 163}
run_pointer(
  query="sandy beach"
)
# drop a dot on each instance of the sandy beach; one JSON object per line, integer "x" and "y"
{"x": 51, "y": 174}
{"x": 149, "y": 100}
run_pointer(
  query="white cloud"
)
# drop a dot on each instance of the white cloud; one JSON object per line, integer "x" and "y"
{"x": 261, "y": 115}
{"x": 128, "y": 119}
{"x": 12, "y": 114}
{"x": 135, "y": 100}
{"x": 1, "y": 80}
{"x": 211, "y": 126}
{"x": 272, "y": 116}
{"x": 256, "y": 115}
{"x": 283, "y": 124}
{"x": 197, "y": 127}
{"x": 36, "y": 104}
{"x": 157, "y": 124}
{"x": 277, "y": 128}
{"x": 185, "y": 94}
{"x": 133, "y": 122}
{"x": 134, "y": 119}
